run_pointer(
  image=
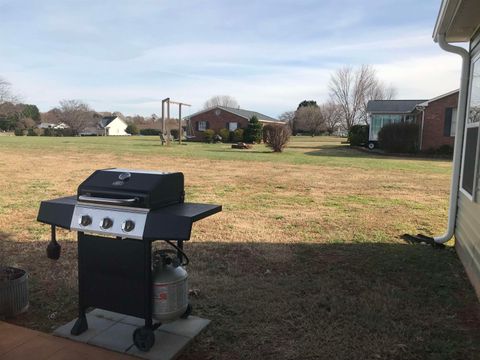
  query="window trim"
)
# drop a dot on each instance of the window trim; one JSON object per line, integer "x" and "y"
{"x": 472, "y": 197}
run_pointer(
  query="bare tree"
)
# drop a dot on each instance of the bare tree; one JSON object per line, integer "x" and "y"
{"x": 276, "y": 136}
{"x": 288, "y": 117}
{"x": 332, "y": 115}
{"x": 6, "y": 94}
{"x": 221, "y": 100}
{"x": 76, "y": 114}
{"x": 351, "y": 89}
{"x": 311, "y": 119}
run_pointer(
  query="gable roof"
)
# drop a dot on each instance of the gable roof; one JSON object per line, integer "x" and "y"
{"x": 392, "y": 106}
{"x": 106, "y": 120}
{"x": 247, "y": 114}
{"x": 426, "y": 103}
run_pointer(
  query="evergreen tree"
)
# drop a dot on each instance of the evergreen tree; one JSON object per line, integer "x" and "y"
{"x": 31, "y": 111}
{"x": 253, "y": 132}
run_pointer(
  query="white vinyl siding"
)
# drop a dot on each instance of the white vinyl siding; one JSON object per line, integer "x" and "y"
{"x": 467, "y": 224}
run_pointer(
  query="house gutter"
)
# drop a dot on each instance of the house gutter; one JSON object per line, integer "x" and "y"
{"x": 457, "y": 149}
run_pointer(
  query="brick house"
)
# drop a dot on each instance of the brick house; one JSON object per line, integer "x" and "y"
{"x": 436, "y": 118}
{"x": 437, "y": 121}
{"x": 221, "y": 117}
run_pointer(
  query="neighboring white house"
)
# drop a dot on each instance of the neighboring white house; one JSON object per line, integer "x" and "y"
{"x": 113, "y": 126}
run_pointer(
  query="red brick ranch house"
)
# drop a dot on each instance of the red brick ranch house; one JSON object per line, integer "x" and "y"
{"x": 436, "y": 118}
{"x": 221, "y": 117}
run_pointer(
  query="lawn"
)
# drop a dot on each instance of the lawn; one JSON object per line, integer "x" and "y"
{"x": 304, "y": 262}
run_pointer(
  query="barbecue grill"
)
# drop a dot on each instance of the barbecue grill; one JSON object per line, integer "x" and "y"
{"x": 118, "y": 214}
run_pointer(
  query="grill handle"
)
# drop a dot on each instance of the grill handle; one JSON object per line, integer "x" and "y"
{"x": 102, "y": 200}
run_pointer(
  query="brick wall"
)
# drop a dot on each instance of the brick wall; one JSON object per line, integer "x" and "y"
{"x": 217, "y": 119}
{"x": 434, "y": 122}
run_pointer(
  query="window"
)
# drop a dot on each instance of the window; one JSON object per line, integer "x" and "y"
{"x": 450, "y": 122}
{"x": 379, "y": 121}
{"x": 202, "y": 125}
{"x": 470, "y": 146}
{"x": 453, "y": 127}
{"x": 232, "y": 126}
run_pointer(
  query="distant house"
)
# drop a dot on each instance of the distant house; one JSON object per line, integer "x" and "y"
{"x": 435, "y": 118}
{"x": 384, "y": 112}
{"x": 112, "y": 126}
{"x": 59, "y": 126}
{"x": 221, "y": 117}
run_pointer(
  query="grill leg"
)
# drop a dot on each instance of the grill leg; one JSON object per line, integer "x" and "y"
{"x": 80, "y": 325}
{"x": 148, "y": 284}
{"x": 179, "y": 254}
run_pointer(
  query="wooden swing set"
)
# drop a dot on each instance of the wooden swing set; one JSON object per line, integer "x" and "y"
{"x": 165, "y": 138}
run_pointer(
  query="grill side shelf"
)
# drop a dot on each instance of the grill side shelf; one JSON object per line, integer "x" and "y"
{"x": 57, "y": 212}
{"x": 175, "y": 222}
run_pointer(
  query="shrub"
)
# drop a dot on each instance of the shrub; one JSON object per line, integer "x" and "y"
{"x": 64, "y": 132}
{"x": 149, "y": 132}
{"x": 399, "y": 138}
{"x": 276, "y": 136}
{"x": 237, "y": 135}
{"x": 265, "y": 131}
{"x": 358, "y": 135}
{"x": 225, "y": 134}
{"x": 253, "y": 132}
{"x": 444, "y": 150}
{"x": 132, "y": 129}
{"x": 31, "y": 132}
{"x": 48, "y": 132}
{"x": 174, "y": 133}
{"x": 208, "y": 135}
{"x": 18, "y": 132}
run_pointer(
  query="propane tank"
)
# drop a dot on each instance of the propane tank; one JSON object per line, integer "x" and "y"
{"x": 170, "y": 289}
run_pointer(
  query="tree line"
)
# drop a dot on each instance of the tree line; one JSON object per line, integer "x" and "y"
{"x": 349, "y": 89}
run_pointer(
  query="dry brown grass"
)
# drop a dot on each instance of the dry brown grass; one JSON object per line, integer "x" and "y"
{"x": 304, "y": 261}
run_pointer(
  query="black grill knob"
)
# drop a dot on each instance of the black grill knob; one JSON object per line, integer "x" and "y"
{"x": 106, "y": 223}
{"x": 85, "y": 220}
{"x": 128, "y": 225}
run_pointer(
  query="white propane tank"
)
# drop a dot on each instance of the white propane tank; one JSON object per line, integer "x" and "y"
{"x": 170, "y": 292}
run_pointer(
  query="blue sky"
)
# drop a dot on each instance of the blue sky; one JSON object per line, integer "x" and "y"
{"x": 270, "y": 54}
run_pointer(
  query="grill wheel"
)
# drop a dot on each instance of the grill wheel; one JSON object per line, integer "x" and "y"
{"x": 143, "y": 338}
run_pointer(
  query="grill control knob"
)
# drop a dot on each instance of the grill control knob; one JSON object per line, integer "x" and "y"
{"x": 128, "y": 225}
{"x": 106, "y": 223}
{"x": 85, "y": 220}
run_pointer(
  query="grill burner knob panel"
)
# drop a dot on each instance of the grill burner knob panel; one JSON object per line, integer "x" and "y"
{"x": 106, "y": 223}
{"x": 85, "y": 220}
{"x": 128, "y": 225}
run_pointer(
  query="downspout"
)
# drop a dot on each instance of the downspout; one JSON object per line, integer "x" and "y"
{"x": 457, "y": 148}
{"x": 421, "y": 131}
{"x": 458, "y": 145}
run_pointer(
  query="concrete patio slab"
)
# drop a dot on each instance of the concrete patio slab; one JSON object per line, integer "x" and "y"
{"x": 114, "y": 331}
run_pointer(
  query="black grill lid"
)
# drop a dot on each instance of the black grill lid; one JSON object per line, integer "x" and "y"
{"x": 136, "y": 188}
